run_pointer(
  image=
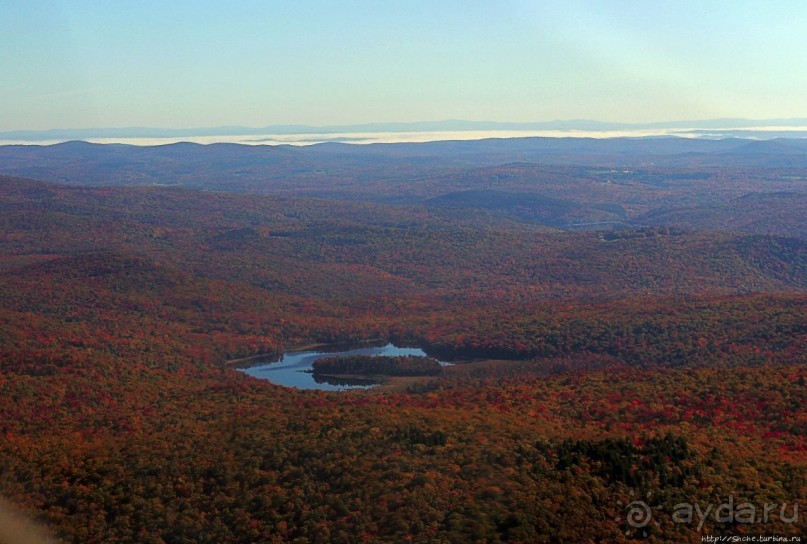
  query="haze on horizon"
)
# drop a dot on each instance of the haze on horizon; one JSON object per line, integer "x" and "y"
{"x": 84, "y": 64}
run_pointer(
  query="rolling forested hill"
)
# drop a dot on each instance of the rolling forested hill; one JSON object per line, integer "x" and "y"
{"x": 662, "y": 357}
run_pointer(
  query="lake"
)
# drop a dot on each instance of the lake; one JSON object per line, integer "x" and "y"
{"x": 293, "y": 369}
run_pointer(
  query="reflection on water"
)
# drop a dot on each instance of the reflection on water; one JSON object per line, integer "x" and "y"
{"x": 294, "y": 368}
{"x": 344, "y": 382}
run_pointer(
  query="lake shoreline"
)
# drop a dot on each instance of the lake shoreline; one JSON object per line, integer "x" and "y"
{"x": 295, "y": 368}
{"x": 298, "y": 348}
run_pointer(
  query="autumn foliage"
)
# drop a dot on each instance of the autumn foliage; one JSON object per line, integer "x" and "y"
{"x": 591, "y": 369}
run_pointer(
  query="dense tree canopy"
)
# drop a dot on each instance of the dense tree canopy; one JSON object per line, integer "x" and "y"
{"x": 592, "y": 368}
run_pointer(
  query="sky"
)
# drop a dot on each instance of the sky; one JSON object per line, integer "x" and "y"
{"x": 183, "y": 64}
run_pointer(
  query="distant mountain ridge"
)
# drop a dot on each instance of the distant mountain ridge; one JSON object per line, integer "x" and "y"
{"x": 452, "y": 125}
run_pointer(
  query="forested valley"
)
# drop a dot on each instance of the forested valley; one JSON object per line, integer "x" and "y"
{"x": 627, "y": 323}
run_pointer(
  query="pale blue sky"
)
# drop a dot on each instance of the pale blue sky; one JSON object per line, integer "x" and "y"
{"x": 178, "y": 64}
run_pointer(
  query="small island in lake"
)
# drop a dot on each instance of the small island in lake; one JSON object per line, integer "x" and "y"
{"x": 368, "y": 365}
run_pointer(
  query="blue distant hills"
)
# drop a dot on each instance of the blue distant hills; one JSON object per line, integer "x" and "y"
{"x": 711, "y": 127}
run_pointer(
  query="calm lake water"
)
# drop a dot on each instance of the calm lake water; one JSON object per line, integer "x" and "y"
{"x": 294, "y": 368}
